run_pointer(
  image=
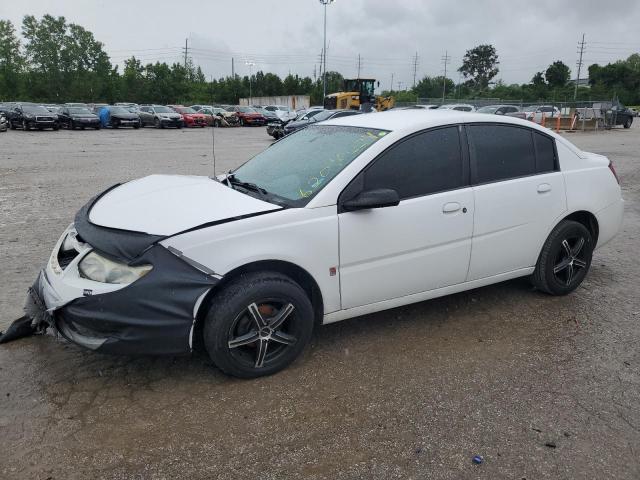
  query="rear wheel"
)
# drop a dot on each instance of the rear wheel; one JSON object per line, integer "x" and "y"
{"x": 258, "y": 325}
{"x": 627, "y": 123}
{"x": 565, "y": 259}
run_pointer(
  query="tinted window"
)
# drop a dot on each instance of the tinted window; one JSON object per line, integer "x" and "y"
{"x": 501, "y": 152}
{"x": 425, "y": 163}
{"x": 545, "y": 153}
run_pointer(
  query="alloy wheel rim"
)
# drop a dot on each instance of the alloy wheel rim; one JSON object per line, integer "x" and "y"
{"x": 570, "y": 260}
{"x": 261, "y": 334}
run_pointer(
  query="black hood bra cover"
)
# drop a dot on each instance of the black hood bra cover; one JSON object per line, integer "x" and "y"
{"x": 123, "y": 245}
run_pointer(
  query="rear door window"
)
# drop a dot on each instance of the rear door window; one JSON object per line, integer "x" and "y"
{"x": 500, "y": 152}
{"x": 425, "y": 163}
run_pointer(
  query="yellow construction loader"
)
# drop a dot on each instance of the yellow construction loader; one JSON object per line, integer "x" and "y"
{"x": 358, "y": 92}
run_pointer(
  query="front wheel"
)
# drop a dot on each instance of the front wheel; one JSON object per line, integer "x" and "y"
{"x": 627, "y": 124}
{"x": 258, "y": 325}
{"x": 564, "y": 260}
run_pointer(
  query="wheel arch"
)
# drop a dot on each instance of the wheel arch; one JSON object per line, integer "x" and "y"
{"x": 587, "y": 219}
{"x": 295, "y": 272}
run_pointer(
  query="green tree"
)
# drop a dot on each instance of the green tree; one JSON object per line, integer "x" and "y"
{"x": 480, "y": 66}
{"x": 11, "y": 61}
{"x": 557, "y": 74}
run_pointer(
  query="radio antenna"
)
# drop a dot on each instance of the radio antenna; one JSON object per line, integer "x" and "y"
{"x": 213, "y": 145}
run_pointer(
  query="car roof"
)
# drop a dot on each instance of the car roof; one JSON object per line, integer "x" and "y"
{"x": 420, "y": 119}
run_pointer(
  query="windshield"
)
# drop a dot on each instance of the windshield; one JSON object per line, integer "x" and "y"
{"x": 35, "y": 109}
{"x": 118, "y": 110}
{"x": 297, "y": 167}
{"x": 246, "y": 110}
{"x": 79, "y": 110}
{"x": 161, "y": 109}
{"x": 488, "y": 109}
{"x": 185, "y": 110}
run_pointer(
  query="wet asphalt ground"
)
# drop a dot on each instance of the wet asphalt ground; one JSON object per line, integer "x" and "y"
{"x": 541, "y": 387}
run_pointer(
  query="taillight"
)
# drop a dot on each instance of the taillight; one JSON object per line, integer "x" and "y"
{"x": 613, "y": 170}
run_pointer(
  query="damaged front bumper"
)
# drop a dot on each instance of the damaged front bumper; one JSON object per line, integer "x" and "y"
{"x": 152, "y": 315}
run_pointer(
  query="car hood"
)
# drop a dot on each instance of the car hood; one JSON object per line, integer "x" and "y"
{"x": 169, "y": 204}
{"x": 298, "y": 124}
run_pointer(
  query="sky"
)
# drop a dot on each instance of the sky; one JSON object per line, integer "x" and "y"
{"x": 283, "y": 36}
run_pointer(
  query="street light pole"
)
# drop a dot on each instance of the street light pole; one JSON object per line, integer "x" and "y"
{"x": 250, "y": 64}
{"x": 324, "y": 50}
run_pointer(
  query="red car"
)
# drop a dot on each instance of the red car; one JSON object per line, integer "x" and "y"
{"x": 248, "y": 116}
{"x": 190, "y": 117}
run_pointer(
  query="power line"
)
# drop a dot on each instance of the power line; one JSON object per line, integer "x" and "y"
{"x": 581, "y": 51}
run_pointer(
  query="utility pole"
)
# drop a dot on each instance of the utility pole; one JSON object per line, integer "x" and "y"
{"x": 358, "y": 66}
{"x": 415, "y": 69}
{"x": 186, "y": 51}
{"x": 314, "y": 72}
{"x": 324, "y": 49}
{"x": 445, "y": 60}
{"x": 250, "y": 65}
{"x": 581, "y": 46}
{"x": 391, "y": 90}
{"x": 233, "y": 71}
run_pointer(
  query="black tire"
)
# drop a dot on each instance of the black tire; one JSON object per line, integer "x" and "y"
{"x": 25, "y": 125}
{"x": 628, "y": 122}
{"x": 242, "y": 122}
{"x": 72, "y": 125}
{"x": 270, "y": 294}
{"x": 179, "y": 126}
{"x": 98, "y": 127}
{"x": 157, "y": 123}
{"x": 12, "y": 125}
{"x": 564, "y": 260}
{"x": 136, "y": 126}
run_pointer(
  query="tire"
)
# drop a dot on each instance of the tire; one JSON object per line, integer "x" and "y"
{"x": 136, "y": 126}
{"x": 265, "y": 293}
{"x": 12, "y": 125}
{"x": 97, "y": 127}
{"x": 25, "y": 125}
{"x": 157, "y": 123}
{"x": 564, "y": 260}
{"x": 628, "y": 122}
{"x": 72, "y": 125}
{"x": 179, "y": 126}
{"x": 241, "y": 122}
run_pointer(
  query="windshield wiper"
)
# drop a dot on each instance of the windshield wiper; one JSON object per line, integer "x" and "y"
{"x": 246, "y": 185}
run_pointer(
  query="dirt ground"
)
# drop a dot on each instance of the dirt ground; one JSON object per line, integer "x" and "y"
{"x": 541, "y": 387}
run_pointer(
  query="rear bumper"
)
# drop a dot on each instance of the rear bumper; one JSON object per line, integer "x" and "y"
{"x": 609, "y": 222}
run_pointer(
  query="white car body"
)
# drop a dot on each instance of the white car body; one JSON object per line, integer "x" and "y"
{"x": 461, "y": 107}
{"x": 283, "y": 112}
{"x": 362, "y": 261}
{"x": 536, "y": 113}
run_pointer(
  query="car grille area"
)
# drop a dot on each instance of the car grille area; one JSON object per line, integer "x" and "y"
{"x": 44, "y": 119}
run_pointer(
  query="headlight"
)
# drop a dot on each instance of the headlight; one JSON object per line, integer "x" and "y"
{"x": 100, "y": 269}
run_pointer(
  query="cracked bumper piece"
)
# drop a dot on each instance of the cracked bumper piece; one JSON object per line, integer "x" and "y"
{"x": 151, "y": 316}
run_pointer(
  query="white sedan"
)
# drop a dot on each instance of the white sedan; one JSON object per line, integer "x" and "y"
{"x": 340, "y": 219}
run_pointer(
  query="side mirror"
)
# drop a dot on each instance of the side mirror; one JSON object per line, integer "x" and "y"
{"x": 377, "y": 198}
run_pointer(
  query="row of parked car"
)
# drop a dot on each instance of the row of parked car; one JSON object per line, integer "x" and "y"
{"x": 535, "y": 113}
{"x": 27, "y": 116}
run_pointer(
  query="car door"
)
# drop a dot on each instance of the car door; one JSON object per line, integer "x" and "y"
{"x": 146, "y": 115}
{"x": 424, "y": 242}
{"x": 519, "y": 192}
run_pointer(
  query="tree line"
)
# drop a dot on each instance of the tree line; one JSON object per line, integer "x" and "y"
{"x": 54, "y": 61}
